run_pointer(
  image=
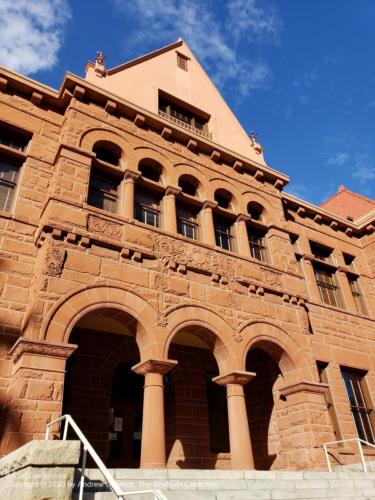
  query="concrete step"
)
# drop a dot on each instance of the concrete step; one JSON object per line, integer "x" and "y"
{"x": 187, "y": 484}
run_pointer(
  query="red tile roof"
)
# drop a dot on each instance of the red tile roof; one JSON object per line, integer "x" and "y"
{"x": 346, "y": 204}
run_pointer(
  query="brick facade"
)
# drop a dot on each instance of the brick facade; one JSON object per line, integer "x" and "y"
{"x": 84, "y": 290}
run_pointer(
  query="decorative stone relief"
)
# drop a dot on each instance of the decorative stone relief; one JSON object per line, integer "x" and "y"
{"x": 272, "y": 277}
{"x": 105, "y": 227}
{"x": 55, "y": 257}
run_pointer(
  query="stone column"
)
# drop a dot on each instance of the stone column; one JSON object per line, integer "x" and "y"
{"x": 312, "y": 286}
{"x": 170, "y": 208}
{"x": 345, "y": 290}
{"x": 208, "y": 230}
{"x": 242, "y": 235}
{"x": 153, "y": 454}
{"x": 36, "y": 389}
{"x": 241, "y": 453}
{"x": 129, "y": 190}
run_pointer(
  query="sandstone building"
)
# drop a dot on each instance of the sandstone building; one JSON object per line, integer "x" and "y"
{"x": 158, "y": 285}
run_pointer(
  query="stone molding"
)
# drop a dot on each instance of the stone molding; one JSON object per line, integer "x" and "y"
{"x": 161, "y": 366}
{"x": 172, "y": 191}
{"x": 131, "y": 175}
{"x": 235, "y": 377}
{"x": 55, "y": 258}
{"x": 42, "y": 348}
{"x": 304, "y": 386}
{"x": 243, "y": 218}
{"x": 210, "y": 204}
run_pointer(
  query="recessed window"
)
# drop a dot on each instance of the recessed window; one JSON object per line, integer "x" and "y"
{"x": 107, "y": 152}
{"x": 329, "y": 292}
{"x": 188, "y": 184}
{"x": 257, "y": 244}
{"x": 187, "y": 223}
{"x": 150, "y": 169}
{"x": 13, "y": 138}
{"x": 9, "y": 173}
{"x": 255, "y": 210}
{"x": 357, "y": 295}
{"x": 147, "y": 207}
{"x": 320, "y": 252}
{"x": 183, "y": 115}
{"x": 103, "y": 190}
{"x": 357, "y": 393}
{"x": 182, "y": 61}
{"x": 223, "y": 198}
{"x": 349, "y": 261}
{"x": 223, "y": 232}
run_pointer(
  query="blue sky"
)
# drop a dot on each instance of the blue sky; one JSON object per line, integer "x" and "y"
{"x": 299, "y": 72}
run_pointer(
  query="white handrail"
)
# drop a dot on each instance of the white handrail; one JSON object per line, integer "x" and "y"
{"x": 87, "y": 448}
{"x": 359, "y": 441}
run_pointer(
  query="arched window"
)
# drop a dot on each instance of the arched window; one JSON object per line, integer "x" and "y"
{"x": 256, "y": 234}
{"x": 255, "y": 210}
{"x": 147, "y": 195}
{"x": 104, "y": 181}
{"x": 188, "y": 184}
{"x": 223, "y": 198}
{"x": 187, "y": 210}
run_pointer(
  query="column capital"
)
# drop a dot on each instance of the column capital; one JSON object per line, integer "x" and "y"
{"x": 238, "y": 377}
{"x": 304, "y": 386}
{"x": 41, "y": 348}
{"x": 130, "y": 174}
{"x": 210, "y": 204}
{"x": 161, "y": 366}
{"x": 172, "y": 190}
{"x": 243, "y": 218}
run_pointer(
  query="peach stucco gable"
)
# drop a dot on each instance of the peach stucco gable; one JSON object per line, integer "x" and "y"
{"x": 139, "y": 82}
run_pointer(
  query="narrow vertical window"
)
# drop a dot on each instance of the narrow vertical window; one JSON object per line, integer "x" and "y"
{"x": 357, "y": 394}
{"x": 329, "y": 292}
{"x": 9, "y": 172}
{"x": 187, "y": 224}
{"x": 147, "y": 208}
{"x": 103, "y": 191}
{"x": 182, "y": 61}
{"x": 223, "y": 233}
{"x": 357, "y": 295}
{"x": 257, "y": 244}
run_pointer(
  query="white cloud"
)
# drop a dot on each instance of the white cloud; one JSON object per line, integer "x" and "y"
{"x": 31, "y": 33}
{"x": 307, "y": 79}
{"x": 364, "y": 173}
{"x": 214, "y": 40}
{"x": 338, "y": 159}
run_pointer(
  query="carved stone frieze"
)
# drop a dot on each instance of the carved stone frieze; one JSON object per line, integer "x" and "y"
{"x": 167, "y": 249}
{"x": 55, "y": 258}
{"x": 105, "y": 227}
{"x": 272, "y": 277}
{"x": 41, "y": 347}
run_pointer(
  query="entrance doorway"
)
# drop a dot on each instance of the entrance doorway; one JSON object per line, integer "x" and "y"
{"x": 125, "y": 418}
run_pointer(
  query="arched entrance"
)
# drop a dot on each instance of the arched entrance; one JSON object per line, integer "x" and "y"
{"x": 101, "y": 391}
{"x": 196, "y": 408}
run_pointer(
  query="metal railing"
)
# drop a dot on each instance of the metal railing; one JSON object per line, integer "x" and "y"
{"x": 87, "y": 448}
{"x": 185, "y": 125}
{"x": 359, "y": 441}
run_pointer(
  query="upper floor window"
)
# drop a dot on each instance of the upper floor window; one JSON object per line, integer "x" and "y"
{"x": 223, "y": 232}
{"x": 255, "y": 210}
{"x": 182, "y": 61}
{"x": 223, "y": 198}
{"x": 107, "y": 152}
{"x": 320, "y": 252}
{"x": 357, "y": 393}
{"x": 257, "y": 244}
{"x": 349, "y": 261}
{"x": 13, "y": 138}
{"x": 147, "y": 207}
{"x": 188, "y": 184}
{"x": 183, "y": 114}
{"x": 150, "y": 169}
{"x": 9, "y": 172}
{"x": 187, "y": 223}
{"x": 103, "y": 190}
{"x": 357, "y": 295}
{"x": 329, "y": 292}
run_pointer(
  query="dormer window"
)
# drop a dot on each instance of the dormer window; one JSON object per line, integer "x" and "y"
{"x": 182, "y": 61}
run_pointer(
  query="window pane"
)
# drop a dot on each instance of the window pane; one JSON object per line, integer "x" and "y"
{"x": 8, "y": 172}
{"x": 103, "y": 191}
{"x": 6, "y": 196}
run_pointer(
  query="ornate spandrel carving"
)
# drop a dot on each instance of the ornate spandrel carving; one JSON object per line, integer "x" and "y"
{"x": 104, "y": 227}
{"x": 54, "y": 261}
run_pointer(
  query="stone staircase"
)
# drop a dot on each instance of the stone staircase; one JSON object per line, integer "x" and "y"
{"x": 185, "y": 484}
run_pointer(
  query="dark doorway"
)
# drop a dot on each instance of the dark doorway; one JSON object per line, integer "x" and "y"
{"x": 125, "y": 418}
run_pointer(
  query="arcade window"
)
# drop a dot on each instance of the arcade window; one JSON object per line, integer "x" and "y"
{"x": 103, "y": 190}
{"x": 329, "y": 292}
{"x": 147, "y": 207}
{"x": 223, "y": 232}
{"x": 357, "y": 393}
{"x": 187, "y": 223}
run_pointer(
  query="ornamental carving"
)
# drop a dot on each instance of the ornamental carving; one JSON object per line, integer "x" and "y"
{"x": 105, "y": 227}
{"x": 272, "y": 277}
{"x": 166, "y": 249}
{"x": 55, "y": 257}
{"x": 43, "y": 348}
